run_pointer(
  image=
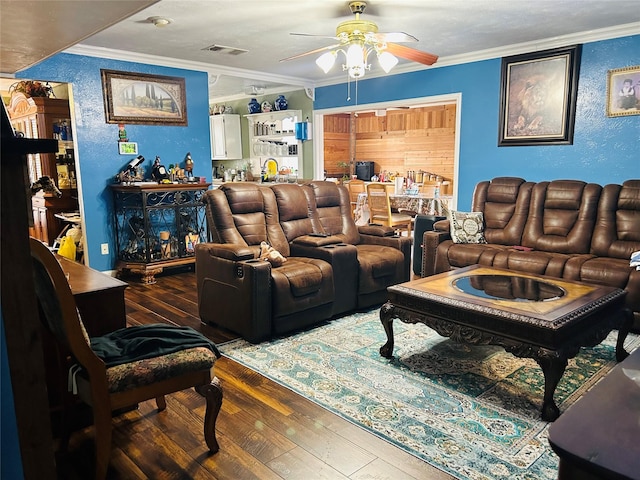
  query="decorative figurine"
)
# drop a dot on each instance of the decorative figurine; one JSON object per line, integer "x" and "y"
{"x": 122, "y": 133}
{"x": 253, "y": 106}
{"x": 188, "y": 166}
{"x": 159, "y": 172}
{"x": 280, "y": 103}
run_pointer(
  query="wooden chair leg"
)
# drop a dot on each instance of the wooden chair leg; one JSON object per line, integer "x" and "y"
{"x": 161, "y": 403}
{"x": 103, "y": 431}
{"x": 213, "y": 394}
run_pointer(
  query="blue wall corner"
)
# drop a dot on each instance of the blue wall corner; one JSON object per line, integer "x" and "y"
{"x": 97, "y": 157}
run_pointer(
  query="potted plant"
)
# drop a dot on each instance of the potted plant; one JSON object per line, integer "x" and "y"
{"x": 344, "y": 166}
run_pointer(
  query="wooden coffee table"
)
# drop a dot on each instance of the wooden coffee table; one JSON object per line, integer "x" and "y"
{"x": 534, "y": 316}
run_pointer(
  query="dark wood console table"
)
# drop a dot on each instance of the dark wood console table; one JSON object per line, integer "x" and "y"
{"x": 158, "y": 225}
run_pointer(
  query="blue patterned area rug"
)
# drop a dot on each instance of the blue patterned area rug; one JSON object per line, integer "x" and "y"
{"x": 473, "y": 412}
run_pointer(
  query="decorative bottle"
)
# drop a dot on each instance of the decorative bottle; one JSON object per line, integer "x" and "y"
{"x": 281, "y": 103}
{"x": 253, "y": 106}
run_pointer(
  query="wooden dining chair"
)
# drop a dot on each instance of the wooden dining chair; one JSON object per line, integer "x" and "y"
{"x": 154, "y": 360}
{"x": 380, "y": 209}
{"x": 356, "y": 187}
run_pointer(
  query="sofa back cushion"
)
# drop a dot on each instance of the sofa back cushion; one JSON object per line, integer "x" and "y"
{"x": 562, "y": 216}
{"x": 293, "y": 210}
{"x": 222, "y": 228}
{"x": 617, "y": 230}
{"x": 241, "y": 213}
{"x": 331, "y": 210}
{"x": 504, "y": 202}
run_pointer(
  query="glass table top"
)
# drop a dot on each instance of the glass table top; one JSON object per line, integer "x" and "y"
{"x": 506, "y": 287}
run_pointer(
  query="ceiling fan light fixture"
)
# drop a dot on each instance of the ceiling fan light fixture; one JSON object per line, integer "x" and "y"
{"x": 326, "y": 61}
{"x": 387, "y": 61}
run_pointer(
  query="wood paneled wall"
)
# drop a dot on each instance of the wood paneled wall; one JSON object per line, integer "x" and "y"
{"x": 401, "y": 140}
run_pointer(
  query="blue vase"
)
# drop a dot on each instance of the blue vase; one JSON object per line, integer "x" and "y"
{"x": 280, "y": 103}
{"x": 253, "y": 106}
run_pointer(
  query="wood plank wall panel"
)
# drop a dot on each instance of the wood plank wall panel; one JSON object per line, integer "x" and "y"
{"x": 404, "y": 139}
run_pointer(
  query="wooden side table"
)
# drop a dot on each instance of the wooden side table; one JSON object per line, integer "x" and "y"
{"x": 99, "y": 297}
{"x": 598, "y": 437}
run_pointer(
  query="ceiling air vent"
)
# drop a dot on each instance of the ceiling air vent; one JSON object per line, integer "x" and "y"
{"x": 225, "y": 50}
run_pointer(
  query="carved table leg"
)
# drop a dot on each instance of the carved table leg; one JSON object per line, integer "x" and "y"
{"x": 623, "y": 331}
{"x": 553, "y": 366}
{"x": 386, "y": 317}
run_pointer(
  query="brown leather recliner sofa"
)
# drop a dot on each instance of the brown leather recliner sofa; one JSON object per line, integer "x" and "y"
{"x": 332, "y": 266}
{"x": 562, "y": 228}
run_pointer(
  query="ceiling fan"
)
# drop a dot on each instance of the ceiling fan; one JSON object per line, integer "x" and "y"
{"x": 358, "y": 38}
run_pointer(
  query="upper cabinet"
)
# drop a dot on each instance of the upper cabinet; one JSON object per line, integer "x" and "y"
{"x": 226, "y": 139}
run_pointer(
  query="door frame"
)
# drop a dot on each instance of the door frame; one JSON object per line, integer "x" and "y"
{"x": 447, "y": 99}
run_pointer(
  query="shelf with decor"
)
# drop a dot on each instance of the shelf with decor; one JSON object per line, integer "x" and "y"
{"x": 273, "y": 142}
{"x": 158, "y": 226}
{"x": 47, "y": 118}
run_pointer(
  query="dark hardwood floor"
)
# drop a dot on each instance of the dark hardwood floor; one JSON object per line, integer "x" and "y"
{"x": 265, "y": 431}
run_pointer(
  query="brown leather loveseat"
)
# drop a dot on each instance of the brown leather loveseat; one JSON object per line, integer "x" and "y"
{"x": 562, "y": 228}
{"x": 332, "y": 266}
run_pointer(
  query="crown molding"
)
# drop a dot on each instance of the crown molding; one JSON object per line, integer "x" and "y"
{"x": 212, "y": 69}
{"x": 504, "y": 51}
{"x": 507, "y": 50}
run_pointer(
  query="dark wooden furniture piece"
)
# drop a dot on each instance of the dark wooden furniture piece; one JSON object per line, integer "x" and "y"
{"x": 41, "y": 117}
{"x": 121, "y": 383}
{"x": 597, "y": 437}
{"x": 158, "y": 226}
{"x": 544, "y": 318}
{"x": 99, "y": 297}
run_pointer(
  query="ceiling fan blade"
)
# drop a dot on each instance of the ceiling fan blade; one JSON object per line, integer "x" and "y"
{"x": 313, "y": 35}
{"x": 411, "y": 54}
{"x": 398, "y": 37}
{"x": 317, "y": 50}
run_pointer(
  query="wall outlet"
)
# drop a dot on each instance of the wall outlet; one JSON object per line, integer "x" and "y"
{"x": 104, "y": 248}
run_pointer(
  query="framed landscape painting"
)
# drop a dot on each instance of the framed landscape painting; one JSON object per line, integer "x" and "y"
{"x": 139, "y": 98}
{"x": 623, "y": 91}
{"x": 538, "y": 97}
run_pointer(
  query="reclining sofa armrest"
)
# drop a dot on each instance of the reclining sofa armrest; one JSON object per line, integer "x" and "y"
{"x": 442, "y": 225}
{"x": 316, "y": 240}
{"x": 229, "y": 251}
{"x": 234, "y": 294}
{"x": 430, "y": 242}
{"x": 376, "y": 230}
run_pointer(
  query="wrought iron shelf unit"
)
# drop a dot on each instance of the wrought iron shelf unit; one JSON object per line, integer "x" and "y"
{"x": 158, "y": 226}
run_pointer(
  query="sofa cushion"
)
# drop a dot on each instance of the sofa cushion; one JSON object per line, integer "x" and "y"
{"x": 504, "y": 201}
{"x": 561, "y": 216}
{"x": 299, "y": 284}
{"x": 617, "y": 230}
{"x": 467, "y": 227}
{"x": 380, "y": 267}
{"x": 541, "y": 263}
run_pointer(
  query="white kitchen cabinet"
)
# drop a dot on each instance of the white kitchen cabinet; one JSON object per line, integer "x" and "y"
{"x": 226, "y": 139}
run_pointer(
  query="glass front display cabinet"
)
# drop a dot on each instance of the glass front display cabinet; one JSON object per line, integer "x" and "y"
{"x": 158, "y": 226}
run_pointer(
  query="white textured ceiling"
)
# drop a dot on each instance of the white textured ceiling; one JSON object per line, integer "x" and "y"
{"x": 452, "y": 29}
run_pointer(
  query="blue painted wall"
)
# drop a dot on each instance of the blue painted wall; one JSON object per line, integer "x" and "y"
{"x": 97, "y": 152}
{"x": 605, "y": 150}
